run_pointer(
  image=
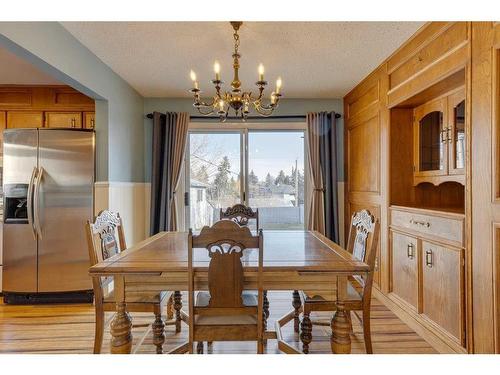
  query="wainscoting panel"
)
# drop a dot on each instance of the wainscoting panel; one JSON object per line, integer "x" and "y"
{"x": 131, "y": 200}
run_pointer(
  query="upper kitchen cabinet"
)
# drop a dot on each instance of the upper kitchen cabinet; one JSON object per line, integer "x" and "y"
{"x": 89, "y": 120}
{"x": 24, "y": 119}
{"x": 63, "y": 120}
{"x": 46, "y": 106}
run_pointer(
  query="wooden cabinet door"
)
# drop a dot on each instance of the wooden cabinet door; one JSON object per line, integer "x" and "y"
{"x": 456, "y": 133}
{"x": 443, "y": 293}
{"x": 404, "y": 275}
{"x": 63, "y": 119}
{"x": 89, "y": 120}
{"x": 24, "y": 119}
{"x": 430, "y": 145}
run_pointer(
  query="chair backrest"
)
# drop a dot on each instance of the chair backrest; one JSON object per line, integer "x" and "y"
{"x": 225, "y": 243}
{"x": 105, "y": 238}
{"x": 363, "y": 241}
{"x": 240, "y": 214}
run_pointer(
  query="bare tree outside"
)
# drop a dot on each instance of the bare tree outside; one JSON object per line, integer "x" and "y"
{"x": 275, "y": 177}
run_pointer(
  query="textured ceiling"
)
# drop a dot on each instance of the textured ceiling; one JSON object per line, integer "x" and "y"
{"x": 315, "y": 59}
{"x": 16, "y": 71}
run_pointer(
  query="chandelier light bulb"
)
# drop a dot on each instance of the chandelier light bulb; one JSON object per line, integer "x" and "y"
{"x": 261, "y": 72}
{"x": 217, "y": 70}
{"x": 193, "y": 78}
{"x": 278, "y": 85}
{"x": 221, "y": 105}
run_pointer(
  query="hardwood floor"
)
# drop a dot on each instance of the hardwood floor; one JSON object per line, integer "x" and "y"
{"x": 70, "y": 329}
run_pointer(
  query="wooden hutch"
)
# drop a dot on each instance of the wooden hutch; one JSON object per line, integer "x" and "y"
{"x": 422, "y": 135}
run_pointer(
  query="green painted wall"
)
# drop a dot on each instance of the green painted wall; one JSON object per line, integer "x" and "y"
{"x": 119, "y": 108}
{"x": 286, "y": 107}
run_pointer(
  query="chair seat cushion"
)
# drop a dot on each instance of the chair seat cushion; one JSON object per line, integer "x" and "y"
{"x": 250, "y": 299}
{"x": 325, "y": 296}
{"x": 139, "y": 297}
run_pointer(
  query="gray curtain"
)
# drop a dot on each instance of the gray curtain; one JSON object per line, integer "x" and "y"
{"x": 322, "y": 134}
{"x": 169, "y": 143}
{"x": 328, "y": 162}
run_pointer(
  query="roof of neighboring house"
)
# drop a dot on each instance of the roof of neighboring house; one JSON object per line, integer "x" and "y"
{"x": 199, "y": 184}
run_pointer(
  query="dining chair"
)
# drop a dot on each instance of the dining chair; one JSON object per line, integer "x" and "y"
{"x": 362, "y": 244}
{"x": 226, "y": 312}
{"x": 240, "y": 214}
{"x": 105, "y": 239}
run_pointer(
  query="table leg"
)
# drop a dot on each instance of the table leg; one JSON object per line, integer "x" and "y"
{"x": 296, "y": 303}
{"x": 265, "y": 308}
{"x": 306, "y": 330}
{"x": 121, "y": 325}
{"x": 178, "y": 307}
{"x": 341, "y": 340}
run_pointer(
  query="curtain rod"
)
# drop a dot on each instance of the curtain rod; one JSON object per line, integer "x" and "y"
{"x": 283, "y": 117}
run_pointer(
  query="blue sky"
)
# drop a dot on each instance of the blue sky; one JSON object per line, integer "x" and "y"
{"x": 272, "y": 152}
{"x": 268, "y": 151}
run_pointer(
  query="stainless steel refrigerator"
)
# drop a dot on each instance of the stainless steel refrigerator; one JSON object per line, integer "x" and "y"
{"x": 48, "y": 182}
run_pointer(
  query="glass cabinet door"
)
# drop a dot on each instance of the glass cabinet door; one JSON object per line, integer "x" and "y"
{"x": 456, "y": 132}
{"x": 431, "y": 152}
{"x": 431, "y": 146}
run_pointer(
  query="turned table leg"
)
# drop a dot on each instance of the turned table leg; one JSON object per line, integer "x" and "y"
{"x": 121, "y": 325}
{"x": 121, "y": 331}
{"x": 158, "y": 333}
{"x": 341, "y": 328}
{"x": 306, "y": 331}
{"x": 266, "y": 309}
{"x": 296, "y": 305}
{"x": 177, "y": 308}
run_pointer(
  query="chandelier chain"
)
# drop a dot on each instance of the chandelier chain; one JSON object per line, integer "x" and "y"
{"x": 236, "y": 42}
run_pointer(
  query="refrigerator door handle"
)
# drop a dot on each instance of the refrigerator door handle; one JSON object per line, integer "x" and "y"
{"x": 36, "y": 202}
{"x": 30, "y": 201}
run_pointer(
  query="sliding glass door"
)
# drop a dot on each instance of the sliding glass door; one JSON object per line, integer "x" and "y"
{"x": 260, "y": 168}
{"x": 214, "y": 176}
{"x": 276, "y": 178}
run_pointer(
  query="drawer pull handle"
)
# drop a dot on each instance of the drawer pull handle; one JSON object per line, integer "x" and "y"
{"x": 410, "y": 253}
{"x": 428, "y": 258}
{"x": 422, "y": 223}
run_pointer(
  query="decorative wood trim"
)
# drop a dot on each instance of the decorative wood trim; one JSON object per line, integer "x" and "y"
{"x": 446, "y": 66}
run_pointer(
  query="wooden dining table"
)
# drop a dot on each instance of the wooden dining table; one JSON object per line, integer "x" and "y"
{"x": 293, "y": 260}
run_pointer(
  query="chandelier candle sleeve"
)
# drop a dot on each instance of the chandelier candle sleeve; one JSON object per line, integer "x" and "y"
{"x": 278, "y": 85}
{"x": 235, "y": 98}
{"x": 261, "y": 72}
{"x": 217, "y": 70}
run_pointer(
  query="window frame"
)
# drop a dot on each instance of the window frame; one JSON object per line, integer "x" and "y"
{"x": 243, "y": 128}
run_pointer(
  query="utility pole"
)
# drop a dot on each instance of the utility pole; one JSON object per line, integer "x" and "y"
{"x": 296, "y": 185}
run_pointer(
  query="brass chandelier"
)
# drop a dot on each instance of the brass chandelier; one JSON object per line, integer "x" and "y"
{"x": 237, "y": 99}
